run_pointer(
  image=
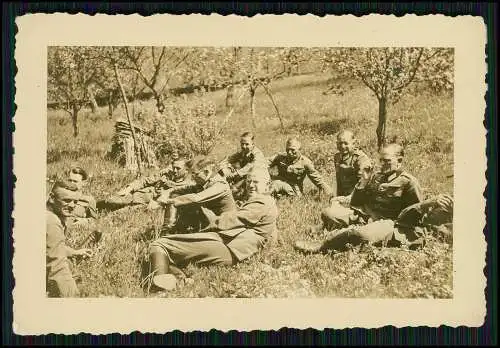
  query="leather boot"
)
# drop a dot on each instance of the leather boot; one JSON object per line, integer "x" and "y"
{"x": 162, "y": 280}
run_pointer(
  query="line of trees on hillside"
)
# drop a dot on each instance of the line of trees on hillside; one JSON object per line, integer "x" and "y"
{"x": 89, "y": 76}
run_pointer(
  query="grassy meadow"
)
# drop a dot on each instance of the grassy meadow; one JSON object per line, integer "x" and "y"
{"x": 423, "y": 123}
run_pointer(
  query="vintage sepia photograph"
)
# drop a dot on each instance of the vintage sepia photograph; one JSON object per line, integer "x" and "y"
{"x": 250, "y": 172}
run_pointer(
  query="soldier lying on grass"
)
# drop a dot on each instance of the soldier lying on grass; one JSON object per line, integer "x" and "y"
{"x": 227, "y": 239}
{"x": 430, "y": 217}
{"x": 144, "y": 191}
{"x": 85, "y": 210}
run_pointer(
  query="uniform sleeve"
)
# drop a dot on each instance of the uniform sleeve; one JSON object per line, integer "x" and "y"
{"x": 272, "y": 161}
{"x": 56, "y": 248}
{"x": 91, "y": 208}
{"x": 248, "y": 215}
{"x": 258, "y": 160}
{"x": 315, "y": 176}
{"x": 413, "y": 193}
{"x": 216, "y": 191}
{"x": 144, "y": 182}
{"x": 411, "y": 216}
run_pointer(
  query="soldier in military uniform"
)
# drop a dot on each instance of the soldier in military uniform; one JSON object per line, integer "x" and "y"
{"x": 237, "y": 166}
{"x": 430, "y": 217}
{"x": 228, "y": 238}
{"x": 208, "y": 194}
{"x": 85, "y": 211}
{"x": 351, "y": 164}
{"x": 144, "y": 191}
{"x": 380, "y": 195}
{"x": 63, "y": 198}
{"x": 293, "y": 167}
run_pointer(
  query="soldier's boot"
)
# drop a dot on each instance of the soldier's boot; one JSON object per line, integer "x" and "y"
{"x": 308, "y": 247}
{"x": 417, "y": 244}
{"x": 162, "y": 280}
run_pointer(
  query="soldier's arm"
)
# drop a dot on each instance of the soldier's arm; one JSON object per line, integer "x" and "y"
{"x": 272, "y": 161}
{"x": 316, "y": 177}
{"x": 216, "y": 191}
{"x": 413, "y": 193}
{"x": 258, "y": 160}
{"x": 247, "y": 216}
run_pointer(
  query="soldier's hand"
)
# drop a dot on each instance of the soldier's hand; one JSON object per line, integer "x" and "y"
{"x": 152, "y": 205}
{"x": 445, "y": 202}
{"x": 123, "y": 192}
{"x": 85, "y": 252}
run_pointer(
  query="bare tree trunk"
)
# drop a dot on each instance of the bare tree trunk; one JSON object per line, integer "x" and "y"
{"x": 230, "y": 96}
{"x": 74, "y": 119}
{"x": 124, "y": 98}
{"x": 275, "y": 107}
{"x": 110, "y": 103}
{"x": 93, "y": 102}
{"x": 252, "y": 106}
{"x": 382, "y": 118}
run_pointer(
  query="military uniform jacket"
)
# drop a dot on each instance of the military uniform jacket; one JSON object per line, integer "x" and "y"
{"x": 294, "y": 172}
{"x": 348, "y": 170}
{"x": 384, "y": 197}
{"x": 85, "y": 207}
{"x": 215, "y": 195}
{"x": 157, "y": 182}
{"x": 242, "y": 163}
{"x": 56, "y": 252}
{"x": 247, "y": 229}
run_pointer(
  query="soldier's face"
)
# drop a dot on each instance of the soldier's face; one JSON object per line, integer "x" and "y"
{"x": 63, "y": 201}
{"x": 246, "y": 145}
{"x": 255, "y": 185}
{"x": 201, "y": 176}
{"x": 389, "y": 161}
{"x": 293, "y": 151}
{"x": 178, "y": 169}
{"x": 345, "y": 144}
{"x": 76, "y": 179}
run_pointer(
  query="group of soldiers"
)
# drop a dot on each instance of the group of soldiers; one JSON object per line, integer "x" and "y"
{"x": 223, "y": 213}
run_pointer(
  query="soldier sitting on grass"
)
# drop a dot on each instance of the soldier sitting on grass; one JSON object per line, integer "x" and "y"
{"x": 144, "y": 191}
{"x": 238, "y": 165}
{"x": 430, "y": 217}
{"x": 351, "y": 164}
{"x": 189, "y": 205}
{"x": 226, "y": 239}
{"x": 381, "y": 195}
{"x": 62, "y": 201}
{"x": 293, "y": 167}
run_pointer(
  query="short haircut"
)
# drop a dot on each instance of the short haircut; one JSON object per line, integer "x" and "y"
{"x": 346, "y": 132}
{"x": 200, "y": 162}
{"x": 248, "y": 135}
{"x": 79, "y": 170}
{"x": 397, "y": 149}
{"x": 64, "y": 184}
{"x": 293, "y": 140}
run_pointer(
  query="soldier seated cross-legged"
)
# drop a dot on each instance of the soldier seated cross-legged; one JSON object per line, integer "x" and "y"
{"x": 226, "y": 239}
{"x": 293, "y": 167}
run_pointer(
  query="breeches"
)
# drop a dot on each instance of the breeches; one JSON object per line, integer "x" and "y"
{"x": 375, "y": 233}
{"x": 194, "y": 248}
{"x": 62, "y": 284}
